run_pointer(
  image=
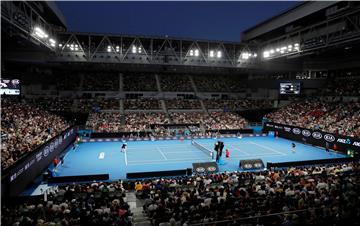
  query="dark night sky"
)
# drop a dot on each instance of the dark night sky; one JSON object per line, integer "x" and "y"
{"x": 198, "y": 20}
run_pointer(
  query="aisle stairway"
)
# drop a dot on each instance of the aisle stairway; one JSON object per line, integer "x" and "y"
{"x": 136, "y": 207}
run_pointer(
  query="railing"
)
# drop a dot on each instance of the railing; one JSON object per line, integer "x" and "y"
{"x": 254, "y": 220}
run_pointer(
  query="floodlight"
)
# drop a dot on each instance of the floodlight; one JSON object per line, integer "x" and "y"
{"x": 196, "y": 52}
{"x": 117, "y": 48}
{"x": 219, "y": 54}
{"x": 60, "y": 45}
{"x": 255, "y": 55}
{"x": 133, "y": 49}
{"x": 40, "y": 33}
{"x": 266, "y": 54}
{"x": 245, "y": 55}
{"x": 211, "y": 53}
{"x": 76, "y": 48}
{"x": 191, "y": 52}
{"x": 139, "y": 50}
{"x": 272, "y": 51}
{"x": 52, "y": 42}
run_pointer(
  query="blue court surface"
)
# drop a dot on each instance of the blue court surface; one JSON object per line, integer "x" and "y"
{"x": 142, "y": 156}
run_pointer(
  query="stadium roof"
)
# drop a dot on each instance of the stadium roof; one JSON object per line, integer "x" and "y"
{"x": 299, "y": 11}
{"x": 50, "y": 11}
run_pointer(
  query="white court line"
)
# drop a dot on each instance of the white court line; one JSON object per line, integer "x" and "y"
{"x": 237, "y": 149}
{"x": 126, "y": 160}
{"x": 240, "y": 156}
{"x": 162, "y": 153}
{"x": 266, "y": 148}
{"x": 135, "y": 163}
{"x": 139, "y": 161}
{"x": 169, "y": 152}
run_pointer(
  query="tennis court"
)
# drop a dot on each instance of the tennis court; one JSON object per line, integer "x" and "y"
{"x": 142, "y": 156}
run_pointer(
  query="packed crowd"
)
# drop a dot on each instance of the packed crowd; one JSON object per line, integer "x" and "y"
{"x": 179, "y": 83}
{"x": 315, "y": 195}
{"x": 143, "y": 104}
{"x": 183, "y": 104}
{"x": 243, "y": 104}
{"x": 142, "y": 121}
{"x": 77, "y": 204}
{"x": 187, "y": 117}
{"x": 211, "y": 83}
{"x": 104, "y": 122}
{"x": 335, "y": 117}
{"x": 140, "y": 82}
{"x": 25, "y": 127}
{"x": 227, "y": 120}
{"x": 312, "y": 195}
{"x": 145, "y": 121}
{"x": 52, "y": 104}
{"x": 91, "y": 105}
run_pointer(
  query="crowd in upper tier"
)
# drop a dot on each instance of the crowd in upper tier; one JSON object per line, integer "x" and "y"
{"x": 343, "y": 86}
{"x": 101, "y": 81}
{"x": 176, "y": 83}
{"x": 313, "y": 195}
{"x": 25, "y": 127}
{"x": 334, "y": 117}
{"x": 240, "y": 104}
{"x": 140, "y": 82}
{"x": 183, "y": 104}
{"x": 142, "y": 104}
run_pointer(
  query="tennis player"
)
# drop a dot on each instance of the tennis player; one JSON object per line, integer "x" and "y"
{"x": 123, "y": 147}
{"x": 293, "y": 147}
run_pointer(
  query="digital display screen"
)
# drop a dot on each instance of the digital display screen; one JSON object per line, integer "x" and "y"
{"x": 9, "y": 86}
{"x": 290, "y": 88}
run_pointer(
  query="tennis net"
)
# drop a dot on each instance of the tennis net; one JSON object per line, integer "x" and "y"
{"x": 203, "y": 149}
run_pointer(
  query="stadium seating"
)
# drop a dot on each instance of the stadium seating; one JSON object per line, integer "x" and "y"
{"x": 85, "y": 204}
{"x": 242, "y": 104}
{"x": 141, "y": 104}
{"x": 25, "y": 127}
{"x": 139, "y": 82}
{"x": 335, "y": 117}
{"x": 314, "y": 195}
{"x": 176, "y": 83}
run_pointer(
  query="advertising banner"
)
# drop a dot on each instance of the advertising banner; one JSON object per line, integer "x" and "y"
{"x": 20, "y": 175}
{"x": 315, "y": 137}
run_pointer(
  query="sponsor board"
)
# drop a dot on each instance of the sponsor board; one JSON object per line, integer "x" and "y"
{"x": 318, "y": 138}
{"x": 296, "y": 130}
{"x": 317, "y": 135}
{"x": 329, "y": 138}
{"x": 306, "y": 133}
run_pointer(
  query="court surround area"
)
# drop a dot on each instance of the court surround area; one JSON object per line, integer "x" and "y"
{"x": 147, "y": 156}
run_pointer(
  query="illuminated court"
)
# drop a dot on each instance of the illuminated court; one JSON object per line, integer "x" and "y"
{"x": 146, "y": 156}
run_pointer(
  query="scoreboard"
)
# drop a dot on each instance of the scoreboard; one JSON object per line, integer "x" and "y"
{"x": 9, "y": 86}
{"x": 289, "y": 88}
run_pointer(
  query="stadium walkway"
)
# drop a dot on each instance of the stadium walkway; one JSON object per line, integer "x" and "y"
{"x": 136, "y": 207}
